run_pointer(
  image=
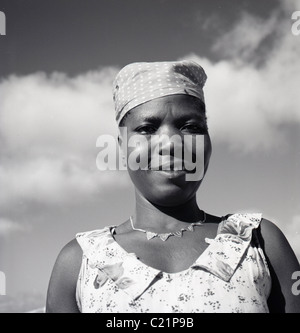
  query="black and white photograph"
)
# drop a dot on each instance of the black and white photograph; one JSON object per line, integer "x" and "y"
{"x": 149, "y": 158}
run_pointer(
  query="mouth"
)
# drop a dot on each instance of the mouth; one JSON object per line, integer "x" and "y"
{"x": 170, "y": 165}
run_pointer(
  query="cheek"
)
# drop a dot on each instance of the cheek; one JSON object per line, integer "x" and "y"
{"x": 137, "y": 153}
{"x": 207, "y": 150}
{"x": 197, "y": 151}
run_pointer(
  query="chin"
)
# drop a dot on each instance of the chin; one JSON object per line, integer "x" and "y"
{"x": 170, "y": 196}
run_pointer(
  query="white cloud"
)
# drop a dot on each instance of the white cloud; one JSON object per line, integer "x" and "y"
{"x": 55, "y": 181}
{"x": 8, "y": 226}
{"x": 245, "y": 37}
{"x": 43, "y": 114}
{"x": 48, "y": 131}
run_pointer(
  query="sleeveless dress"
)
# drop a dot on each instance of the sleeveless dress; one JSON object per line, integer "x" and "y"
{"x": 231, "y": 275}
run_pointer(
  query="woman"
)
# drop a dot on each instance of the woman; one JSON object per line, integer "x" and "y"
{"x": 170, "y": 255}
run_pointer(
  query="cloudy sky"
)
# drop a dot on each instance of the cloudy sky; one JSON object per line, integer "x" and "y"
{"x": 57, "y": 63}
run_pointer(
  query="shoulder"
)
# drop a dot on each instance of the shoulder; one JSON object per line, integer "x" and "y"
{"x": 63, "y": 281}
{"x": 275, "y": 243}
{"x": 270, "y": 228}
{"x": 282, "y": 263}
{"x": 71, "y": 252}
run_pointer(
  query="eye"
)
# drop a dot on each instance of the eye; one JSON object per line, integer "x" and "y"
{"x": 146, "y": 129}
{"x": 194, "y": 129}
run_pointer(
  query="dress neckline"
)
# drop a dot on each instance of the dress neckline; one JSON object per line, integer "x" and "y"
{"x": 111, "y": 231}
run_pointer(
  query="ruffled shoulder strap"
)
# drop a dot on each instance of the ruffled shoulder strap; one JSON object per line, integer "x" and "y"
{"x": 91, "y": 241}
{"x": 240, "y": 225}
{"x": 110, "y": 261}
{"x": 226, "y": 250}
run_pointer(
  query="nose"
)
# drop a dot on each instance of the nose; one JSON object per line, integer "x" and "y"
{"x": 166, "y": 147}
{"x": 170, "y": 141}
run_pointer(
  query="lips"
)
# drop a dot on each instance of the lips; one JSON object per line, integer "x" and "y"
{"x": 169, "y": 163}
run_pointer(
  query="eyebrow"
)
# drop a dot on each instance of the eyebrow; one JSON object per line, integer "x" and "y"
{"x": 183, "y": 117}
{"x": 151, "y": 119}
{"x": 196, "y": 116}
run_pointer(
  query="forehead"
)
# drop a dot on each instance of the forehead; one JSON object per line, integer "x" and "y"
{"x": 174, "y": 106}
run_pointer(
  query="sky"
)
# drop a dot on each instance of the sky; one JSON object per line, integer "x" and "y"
{"x": 57, "y": 63}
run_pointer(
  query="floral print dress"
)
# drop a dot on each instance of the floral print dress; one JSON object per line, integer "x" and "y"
{"x": 231, "y": 275}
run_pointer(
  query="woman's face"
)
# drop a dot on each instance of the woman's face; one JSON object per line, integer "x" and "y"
{"x": 167, "y": 165}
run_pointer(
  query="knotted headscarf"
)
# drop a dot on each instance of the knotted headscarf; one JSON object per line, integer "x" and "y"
{"x": 141, "y": 82}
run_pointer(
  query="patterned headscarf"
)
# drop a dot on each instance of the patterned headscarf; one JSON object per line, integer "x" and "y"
{"x": 141, "y": 82}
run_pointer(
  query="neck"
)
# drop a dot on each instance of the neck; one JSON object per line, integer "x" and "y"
{"x": 151, "y": 216}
